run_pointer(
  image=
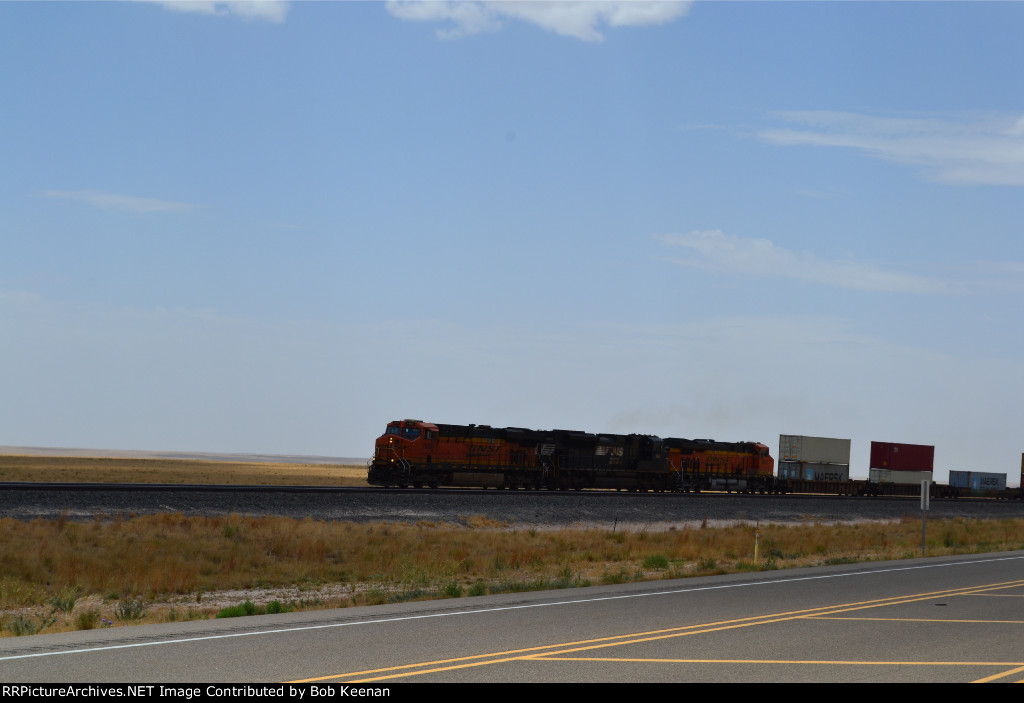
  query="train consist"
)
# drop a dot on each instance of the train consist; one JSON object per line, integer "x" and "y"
{"x": 416, "y": 453}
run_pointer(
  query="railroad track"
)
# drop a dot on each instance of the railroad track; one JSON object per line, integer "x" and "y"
{"x": 264, "y": 488}
{"x": 85, "y": 501}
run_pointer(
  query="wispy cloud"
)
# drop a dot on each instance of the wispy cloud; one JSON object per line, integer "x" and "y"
{"x": 581, "y": 20}
{"x": 113, "y": 201}
{"x": 265, "y": 10}
{"x": 988, "y": 150}
{"x": 717, "y": 251}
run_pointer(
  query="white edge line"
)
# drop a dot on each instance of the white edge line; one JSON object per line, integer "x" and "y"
{"x": 503, "y": 608}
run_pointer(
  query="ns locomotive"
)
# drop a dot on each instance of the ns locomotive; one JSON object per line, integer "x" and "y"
{"x": 416, "y": 453}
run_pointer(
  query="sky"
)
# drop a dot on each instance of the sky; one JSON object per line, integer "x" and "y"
{"x": 274, "y": 227}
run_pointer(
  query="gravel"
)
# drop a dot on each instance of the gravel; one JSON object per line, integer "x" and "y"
{"x": 518, "y": 509}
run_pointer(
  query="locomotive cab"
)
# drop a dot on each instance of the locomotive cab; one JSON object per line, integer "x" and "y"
{"x": 405, "y": 443}
{"x": 765, "y": 463}
{"x": 404, "y": 437}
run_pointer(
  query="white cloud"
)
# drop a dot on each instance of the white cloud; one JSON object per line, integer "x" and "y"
{"x": 266, "y": 10}
{"x": 987, "y": 150}
{"x": 113, "y": 201}
{"x": 581, "y": 20}
{"x": 718, "y": 251}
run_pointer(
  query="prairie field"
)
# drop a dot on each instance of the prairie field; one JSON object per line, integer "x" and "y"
{"x": 58, "y": 575}
{"x": 182, "y": 471}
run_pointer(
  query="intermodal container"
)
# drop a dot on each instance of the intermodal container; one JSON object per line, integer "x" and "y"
{"x": 977, "y": 480}
{"x": 807, "y": 471}
{"x": 902, "y": 457}
{"x": 890, "y": 476}
{"x": 814, "y": 450}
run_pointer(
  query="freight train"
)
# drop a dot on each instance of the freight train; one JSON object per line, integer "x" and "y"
{"x": 416, "y": 453}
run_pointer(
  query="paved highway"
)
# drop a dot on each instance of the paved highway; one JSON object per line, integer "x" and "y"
{"x": 951, "y": 619}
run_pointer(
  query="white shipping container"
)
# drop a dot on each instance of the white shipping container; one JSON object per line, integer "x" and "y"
{"x": 814, "y": 472}
{"x": 890, "y": 476}
{"x": 814, "y": 450}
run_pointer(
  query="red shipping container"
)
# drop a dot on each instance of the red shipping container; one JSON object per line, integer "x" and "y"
{"x": 902, "y": 457}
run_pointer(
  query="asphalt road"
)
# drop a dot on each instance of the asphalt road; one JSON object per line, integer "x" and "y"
{"x": 952, "y": 619}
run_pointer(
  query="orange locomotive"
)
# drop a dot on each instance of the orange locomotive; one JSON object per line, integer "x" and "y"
{"x": 416, "y": 453}
{"x": 705, "y": 463}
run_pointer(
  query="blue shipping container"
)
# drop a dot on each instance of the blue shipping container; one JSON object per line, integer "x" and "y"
{"x": 977, "y": 480}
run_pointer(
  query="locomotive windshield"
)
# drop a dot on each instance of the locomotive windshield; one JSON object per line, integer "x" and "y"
{"x": 411, "y": 433}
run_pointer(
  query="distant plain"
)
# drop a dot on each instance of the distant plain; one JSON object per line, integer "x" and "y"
{"x": 47, "y": 466}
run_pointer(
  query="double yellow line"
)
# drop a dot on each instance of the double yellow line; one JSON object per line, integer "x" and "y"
{"x": 558, "y": 652}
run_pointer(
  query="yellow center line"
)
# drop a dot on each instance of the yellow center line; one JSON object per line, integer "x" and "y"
{"x": 519, "y": 652}
{"x": 994, "y": 677}
{"x": 539, "y": 652}
{"x": 781, "y": 617}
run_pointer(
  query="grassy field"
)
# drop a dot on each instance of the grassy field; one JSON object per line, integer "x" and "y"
{"x": 120, "y": 470}
{"x": 58, "y": 575}
{"x": 61, "y": 575}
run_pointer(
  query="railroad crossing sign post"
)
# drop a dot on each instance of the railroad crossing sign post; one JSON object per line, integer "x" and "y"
{"x": 924, "y": 513}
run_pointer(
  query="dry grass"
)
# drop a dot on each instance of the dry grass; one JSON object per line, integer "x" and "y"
{"x": 62, "y": 575}
{"x": 123, "y": 470}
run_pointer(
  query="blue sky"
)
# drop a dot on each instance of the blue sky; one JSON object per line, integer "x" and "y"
{"x": 274, "y": 227}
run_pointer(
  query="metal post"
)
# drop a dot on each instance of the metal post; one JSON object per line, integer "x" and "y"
{"x": 757, "y": 537}
{"x": 925, "y": 496}
{"x": 924, "y": 529}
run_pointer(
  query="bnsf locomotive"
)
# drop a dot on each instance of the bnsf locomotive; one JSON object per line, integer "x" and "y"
{"x": 415, "y": 453}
